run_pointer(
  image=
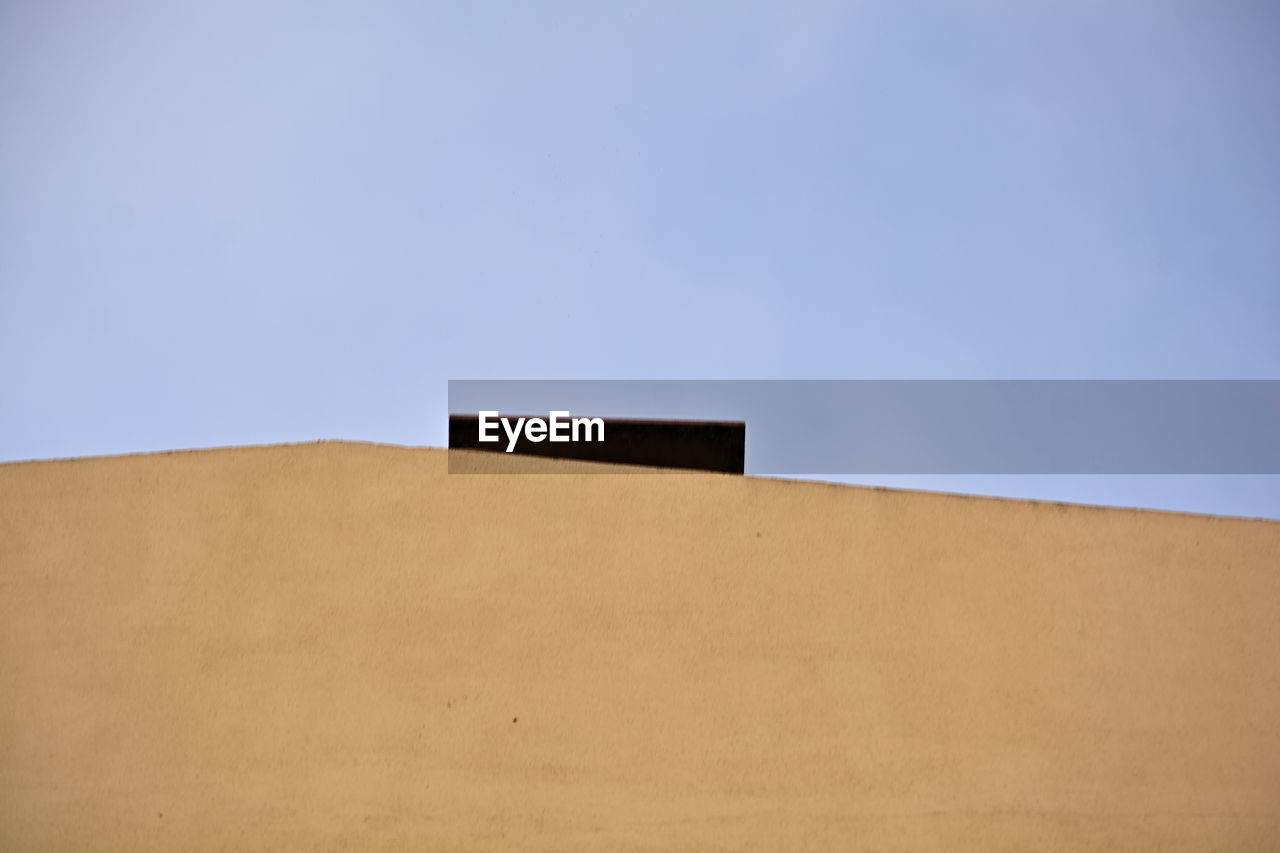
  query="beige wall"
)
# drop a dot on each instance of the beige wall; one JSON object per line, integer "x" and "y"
{"x": 341, "y": 646}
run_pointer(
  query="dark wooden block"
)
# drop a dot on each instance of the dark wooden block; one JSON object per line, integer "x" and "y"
{"x": 698, "y": 445}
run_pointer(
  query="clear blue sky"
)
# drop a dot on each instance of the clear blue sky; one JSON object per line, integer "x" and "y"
{"x": 240, "y": 223}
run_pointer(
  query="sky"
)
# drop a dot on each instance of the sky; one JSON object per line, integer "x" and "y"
{"x": 246, "y": 223}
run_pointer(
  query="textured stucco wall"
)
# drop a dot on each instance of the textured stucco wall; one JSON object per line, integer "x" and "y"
{"x": 342, "y": 646}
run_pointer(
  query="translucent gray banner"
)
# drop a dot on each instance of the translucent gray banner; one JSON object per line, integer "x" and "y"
{"x": 827, "y": 427}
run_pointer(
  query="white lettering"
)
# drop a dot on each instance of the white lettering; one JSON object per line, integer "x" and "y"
{"x": 512, "y": 434}
{"x": 587, "y": 424}
{"x": 559, "y": 428}
{"x": 561, "y": 436}
{"x": 485, "y": 426}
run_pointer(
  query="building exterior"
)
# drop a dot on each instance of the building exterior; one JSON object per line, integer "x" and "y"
{"x": 343, "y": 646}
